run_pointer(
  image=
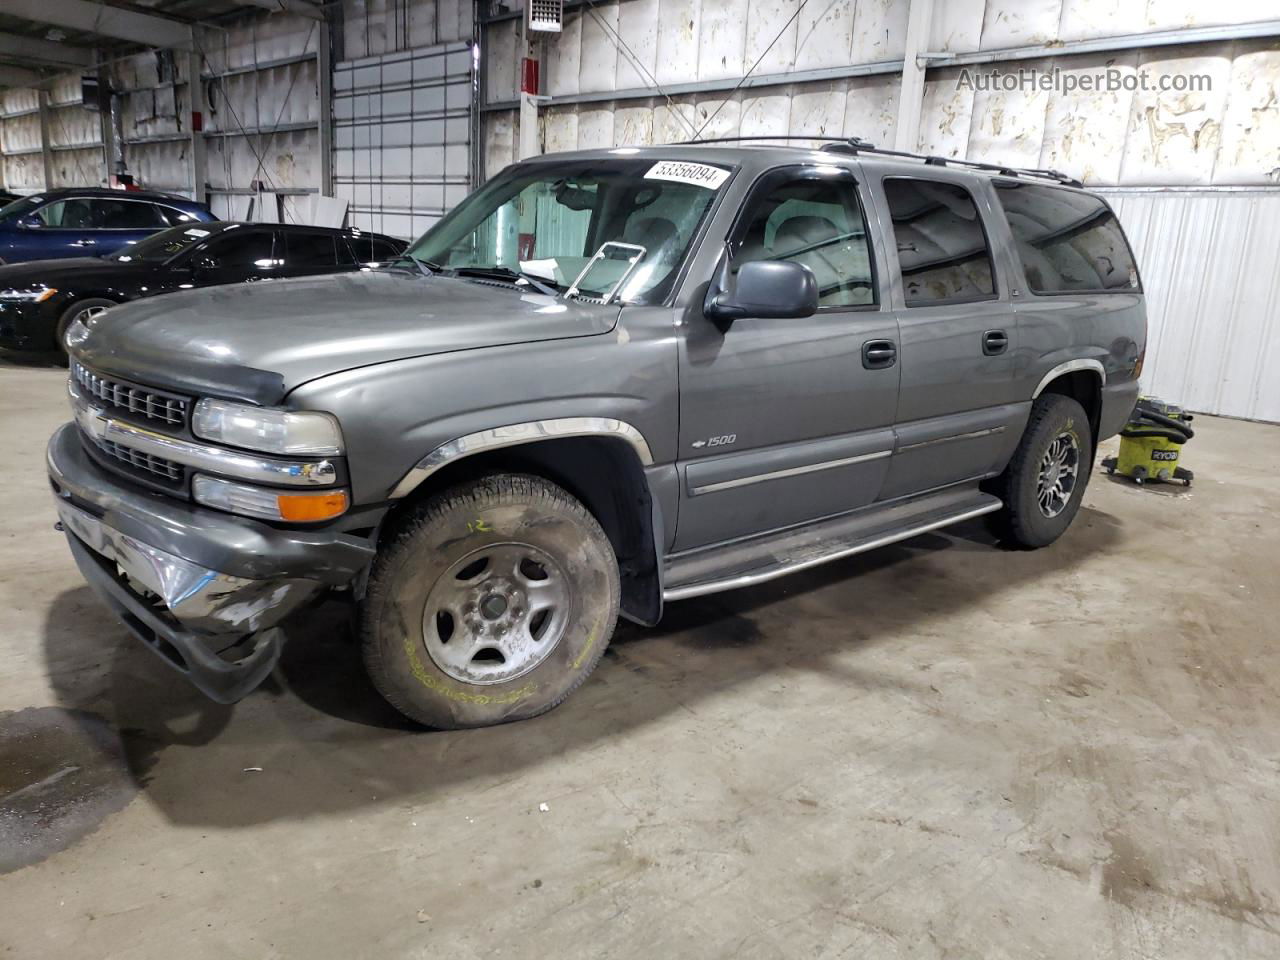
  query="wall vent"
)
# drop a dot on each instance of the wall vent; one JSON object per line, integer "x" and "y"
{"x": 544, "y": 16}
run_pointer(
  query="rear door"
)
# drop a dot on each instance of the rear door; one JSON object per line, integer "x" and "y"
{"x": 784, "y": 421}
{"x": 958, "y": 416}
{"x": 122, "y": 222}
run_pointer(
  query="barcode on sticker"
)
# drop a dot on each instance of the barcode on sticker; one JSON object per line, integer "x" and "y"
{"x": 697, "y": 174}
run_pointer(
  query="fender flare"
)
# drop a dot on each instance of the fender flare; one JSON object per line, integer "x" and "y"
{"x": 1071, "y": 366}
{"x": 517, "y": 434}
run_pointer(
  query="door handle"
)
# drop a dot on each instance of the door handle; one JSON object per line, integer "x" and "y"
{"x": 879, "y": 354}
{"x": 84, "y": 242}
{"x": 994, "y": 342}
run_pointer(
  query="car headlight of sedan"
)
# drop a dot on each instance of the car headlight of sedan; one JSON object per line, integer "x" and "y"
{"x": 270, "y": 430}
{"x": 36, "y": 294}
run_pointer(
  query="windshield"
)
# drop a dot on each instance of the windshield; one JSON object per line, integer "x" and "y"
{"x": 545, "y": 220}
{"x": 163, "y": 246}
{"x": 19, "y": 207}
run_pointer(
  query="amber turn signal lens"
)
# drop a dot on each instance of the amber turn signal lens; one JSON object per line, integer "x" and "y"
{"x": 311, "y": 507}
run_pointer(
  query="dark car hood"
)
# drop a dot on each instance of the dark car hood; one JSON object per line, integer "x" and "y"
{"x": 258, "y": 341}
{"x": 73, "y": 270}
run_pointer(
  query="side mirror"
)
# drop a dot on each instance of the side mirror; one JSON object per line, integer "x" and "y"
{"x": 203, "y": 264}
{"x": 768, "y": 289}
{"x": 29, "y": 223}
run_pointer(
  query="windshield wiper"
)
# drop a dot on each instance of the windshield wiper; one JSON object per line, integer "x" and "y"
{"x": 506, "y": 273}
{"x": 425, "y": 267}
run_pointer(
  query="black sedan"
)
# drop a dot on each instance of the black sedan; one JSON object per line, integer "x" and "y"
{"x": 40, "y": 299}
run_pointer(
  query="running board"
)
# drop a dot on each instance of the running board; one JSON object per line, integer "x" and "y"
{"x": 758, "y": 559}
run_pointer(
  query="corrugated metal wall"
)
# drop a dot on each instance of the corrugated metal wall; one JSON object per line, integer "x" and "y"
{"x": 1210, "y": 265}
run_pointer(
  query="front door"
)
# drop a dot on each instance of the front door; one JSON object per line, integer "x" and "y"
{"x": 958, "y": 418}
{"x": 784, "y": 421}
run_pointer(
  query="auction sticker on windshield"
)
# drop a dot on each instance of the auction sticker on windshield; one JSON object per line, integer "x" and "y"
{"x": 697, "y": 174}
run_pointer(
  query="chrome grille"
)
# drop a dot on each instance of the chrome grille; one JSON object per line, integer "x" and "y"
{"x": 152, "y": 404}
{"x": 157, "y": 466}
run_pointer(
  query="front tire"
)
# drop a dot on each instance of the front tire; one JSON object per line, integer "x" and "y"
{"x": 492, "y": 602}
{"x": 1044, "y": 484}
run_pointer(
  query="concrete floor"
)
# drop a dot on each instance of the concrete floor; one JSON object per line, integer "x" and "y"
{"x": 938, "y": 750}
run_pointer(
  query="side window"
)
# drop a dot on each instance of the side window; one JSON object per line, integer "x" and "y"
{"x": 942, "y": 247}
{"x": 346, "y": 251}
{"x": 73, "y": 214}
{"x": 309, "y": 249}
{"x": 1066, "y": 241}
{"x": 234, "y": 248}
{"x": 385, "y": 249}
{"x": 818, "y": 223}
{"x": 126, "y": 215}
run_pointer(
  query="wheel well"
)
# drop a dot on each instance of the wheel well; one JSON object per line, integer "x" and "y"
{"x": 1084, "y": 387}
{"x": 604, "y": 474}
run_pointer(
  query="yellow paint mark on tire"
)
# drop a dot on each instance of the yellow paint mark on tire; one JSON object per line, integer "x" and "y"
{"x": 453, "y": 693}
{"x": 591, "y": 642}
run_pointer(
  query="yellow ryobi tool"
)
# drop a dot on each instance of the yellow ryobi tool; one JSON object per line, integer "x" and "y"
{"x": 1151, "y": 443}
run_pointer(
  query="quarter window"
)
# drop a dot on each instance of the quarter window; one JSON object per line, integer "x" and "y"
{"x": 943, "y": 253}
{"x": 816, "y": 222}
{"x": 1066, "y": 241}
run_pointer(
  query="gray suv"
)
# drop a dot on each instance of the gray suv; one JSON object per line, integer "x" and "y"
{"x": 608, "y": 380}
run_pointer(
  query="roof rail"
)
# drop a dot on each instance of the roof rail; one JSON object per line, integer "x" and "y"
{"x": 855, "y": 146}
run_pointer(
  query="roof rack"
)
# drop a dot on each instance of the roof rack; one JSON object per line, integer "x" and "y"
{"x": 854, "y": 146}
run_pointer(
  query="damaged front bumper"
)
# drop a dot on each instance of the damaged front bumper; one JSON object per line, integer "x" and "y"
{"x": 203, "y": 589}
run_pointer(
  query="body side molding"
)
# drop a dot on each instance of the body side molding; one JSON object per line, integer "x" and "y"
{"x": 1070, "y": 367}
{"x": 515, "y": 434}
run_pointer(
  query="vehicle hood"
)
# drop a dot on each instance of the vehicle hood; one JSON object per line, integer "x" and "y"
{"x": 258, "y": 341}
{"x": 72, "y": 271}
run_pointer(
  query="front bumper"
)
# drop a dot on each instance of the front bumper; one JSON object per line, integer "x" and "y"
{"x": 24, "y": 326}
{"x": 203, "y": 589}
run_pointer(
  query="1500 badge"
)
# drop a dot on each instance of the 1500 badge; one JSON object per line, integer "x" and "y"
{"x": 721, "y": 441}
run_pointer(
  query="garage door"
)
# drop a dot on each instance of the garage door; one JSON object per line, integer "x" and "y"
{"x": 402, "y": 136}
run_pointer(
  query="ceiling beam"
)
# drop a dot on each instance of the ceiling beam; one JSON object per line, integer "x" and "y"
{"x": 303, "y": 8}
{"x": 19, "y": 77}
{"x": 43, "y": 51}
{"x": 114, "y": 22}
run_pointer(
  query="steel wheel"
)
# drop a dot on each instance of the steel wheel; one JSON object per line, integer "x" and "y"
{"x": 497, "y": 613}
{"x": 1059, "y": 470}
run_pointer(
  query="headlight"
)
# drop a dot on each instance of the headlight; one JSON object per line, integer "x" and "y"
{"x": 287, "y": 432}
{"x": 75, "y": 335}
{"x": 286, "y": 505}
{"x": 36, "y": 294}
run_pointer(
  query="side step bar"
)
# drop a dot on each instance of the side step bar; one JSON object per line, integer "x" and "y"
{"x": 759, "y": 559}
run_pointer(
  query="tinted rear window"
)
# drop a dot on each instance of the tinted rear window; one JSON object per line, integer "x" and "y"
{"x": 942, "y": 246}
{"x": 1067, "y": 241}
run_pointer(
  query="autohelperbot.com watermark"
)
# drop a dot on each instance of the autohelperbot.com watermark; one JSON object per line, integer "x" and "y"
{"x": 1104, "y": 80}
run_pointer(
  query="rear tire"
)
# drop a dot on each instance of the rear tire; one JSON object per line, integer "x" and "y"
{"x": 492, "y": 602}
{"x": 1044, "y": 484}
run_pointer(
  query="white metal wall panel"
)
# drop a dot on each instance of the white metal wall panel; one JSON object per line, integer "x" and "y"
{"x": 402, "y": 136}
{"x": 1226, "y": 135}
{"x": 1208, "y": 263}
